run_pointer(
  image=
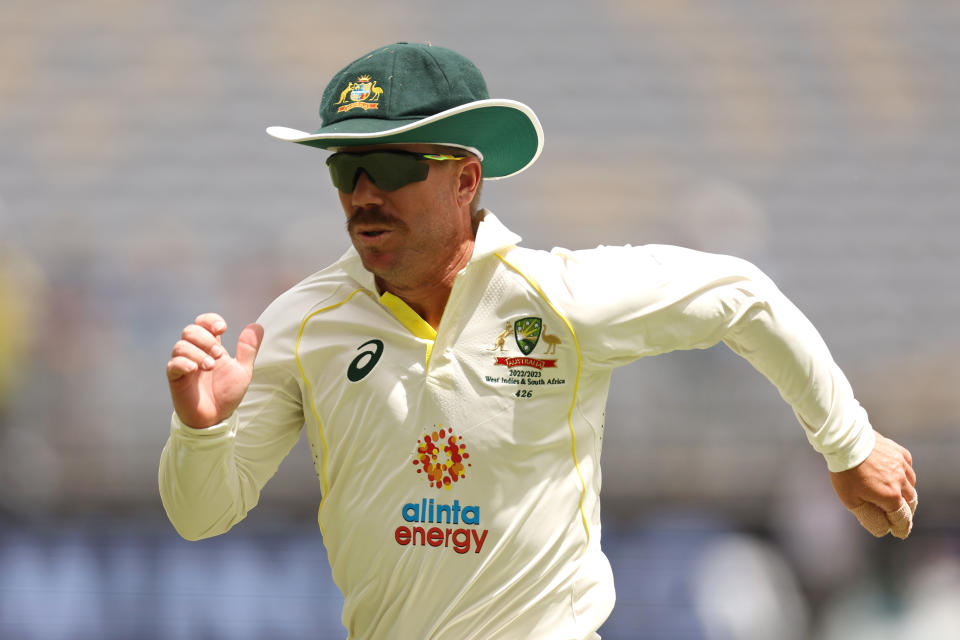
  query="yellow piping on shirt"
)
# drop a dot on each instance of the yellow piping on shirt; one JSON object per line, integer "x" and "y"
{"x": 576, "y": 386}
{"x": 313, "y": 408}
{"x": 411, "y": 320}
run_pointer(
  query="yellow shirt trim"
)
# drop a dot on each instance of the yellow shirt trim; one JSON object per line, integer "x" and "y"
{"x": 576, "y": 387}
{"x": 411, "y": 320}
{"x": 313, "y": 408}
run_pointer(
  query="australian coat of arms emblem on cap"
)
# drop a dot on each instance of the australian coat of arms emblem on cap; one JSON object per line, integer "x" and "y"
{"x": 361, "y": 94}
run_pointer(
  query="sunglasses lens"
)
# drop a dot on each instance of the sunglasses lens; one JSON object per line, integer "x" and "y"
{"x": 389, "y": 170}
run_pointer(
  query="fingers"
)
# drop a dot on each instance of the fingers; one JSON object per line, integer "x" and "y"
{"x": 906, "y": 454}
{"x": 908, "y": 458}
{"x": 901, "y": 520}
{"x": 899, "y": 516}
{"x": 873, "y": 519}
{"x": 187, "y": 357}
{"x": 180, "y": 366}
{"x": 898, "y": 522}
{"x": 205, "y": 336}
{"x": 881, "y": 491}
{"x": 910, "y": 495}
{"x": 198, "y": 348}
{"x": 212, "y": 322}
{"x": 911, "y": 475}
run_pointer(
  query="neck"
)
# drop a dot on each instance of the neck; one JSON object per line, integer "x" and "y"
{"x": 429, "y": 299}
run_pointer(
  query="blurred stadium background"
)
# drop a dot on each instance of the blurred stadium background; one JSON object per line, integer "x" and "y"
{"x": 137, "y": 189}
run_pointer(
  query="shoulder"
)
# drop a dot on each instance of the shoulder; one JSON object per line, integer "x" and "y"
{"x": 560, "y": 259}
{"x": 652, "y": 261}
{"x": 568, "y": 271}
{"x": 615, "y": 278}
{"x": 284, "y": 316}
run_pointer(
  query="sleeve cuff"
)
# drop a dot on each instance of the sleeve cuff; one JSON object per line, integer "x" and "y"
{"x": 225, "y": 429}
{"x": 841, "y": 461}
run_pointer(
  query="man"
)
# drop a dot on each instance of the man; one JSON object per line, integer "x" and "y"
{"x": 459, "y": 466}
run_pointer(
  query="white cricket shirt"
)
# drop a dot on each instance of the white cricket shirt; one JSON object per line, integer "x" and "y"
{"x": 459, "y": 469}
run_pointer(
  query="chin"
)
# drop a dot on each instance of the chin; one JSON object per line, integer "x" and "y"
{"x": 379, "y": 265}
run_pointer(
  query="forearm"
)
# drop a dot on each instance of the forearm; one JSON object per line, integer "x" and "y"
{"x": 781, "y": 343}
{"x": 200, "y": 485}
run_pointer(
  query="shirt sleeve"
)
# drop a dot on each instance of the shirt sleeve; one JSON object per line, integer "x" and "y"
{"x": 631, "y": 302}
{"x": 210, "y": 478}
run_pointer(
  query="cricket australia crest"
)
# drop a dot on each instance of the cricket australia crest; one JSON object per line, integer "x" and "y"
{"x": 526, "y": 371}
{"x": 526, "y": 331}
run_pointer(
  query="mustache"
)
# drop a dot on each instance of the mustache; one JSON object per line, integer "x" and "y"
{"x": 373, "y": 216}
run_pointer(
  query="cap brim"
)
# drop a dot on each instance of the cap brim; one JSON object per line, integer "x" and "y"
{"x": 506, "y": 132}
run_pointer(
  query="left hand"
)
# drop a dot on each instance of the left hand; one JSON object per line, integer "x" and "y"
{"x": 881, "y": 491}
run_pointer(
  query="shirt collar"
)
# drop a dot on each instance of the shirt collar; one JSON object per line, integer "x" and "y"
{"x": 492, "y": 236}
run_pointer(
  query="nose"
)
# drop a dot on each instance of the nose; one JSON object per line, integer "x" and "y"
{"x": 365, "y": 193}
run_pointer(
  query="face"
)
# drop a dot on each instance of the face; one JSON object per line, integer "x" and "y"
{"x": 420, "y": 234}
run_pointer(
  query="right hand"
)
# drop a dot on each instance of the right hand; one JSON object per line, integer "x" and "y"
{"x": 882, "y": 490}
{"x": 206, "y": 384}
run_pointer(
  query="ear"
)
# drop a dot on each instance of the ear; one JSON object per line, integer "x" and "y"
{"x": 468, "y": 180}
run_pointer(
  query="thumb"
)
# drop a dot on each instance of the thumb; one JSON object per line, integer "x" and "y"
{"x": 248, "y": 344}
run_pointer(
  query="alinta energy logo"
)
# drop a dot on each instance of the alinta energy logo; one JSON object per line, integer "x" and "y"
{"x": 442, "y": 456}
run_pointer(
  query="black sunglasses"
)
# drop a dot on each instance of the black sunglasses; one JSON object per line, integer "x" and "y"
{"x": 388, "y": 169}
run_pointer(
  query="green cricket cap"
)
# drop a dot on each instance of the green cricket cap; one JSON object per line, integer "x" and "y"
{"x": 419, "y": 93}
